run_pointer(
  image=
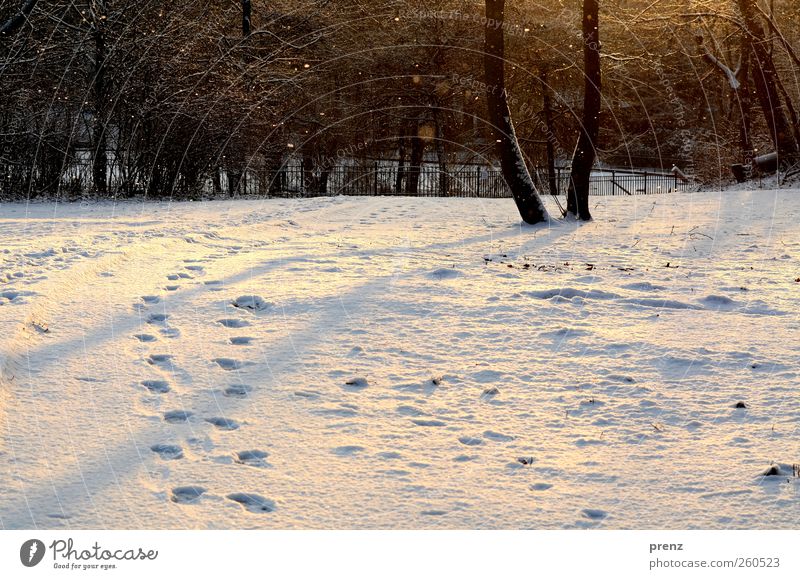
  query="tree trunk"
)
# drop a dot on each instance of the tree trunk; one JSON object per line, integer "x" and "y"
{"x": 246, "y": 13}
{"x": 547, "y": 105}
{"x": 216, "y": 181}
{"x": 766, "y": 84}
{"x": 309, "y": 180}
{"x": 100, "y": 95}
{"x": 401, "y": 166}
{"x": 585, "y": 151}
{"x": 745, "y": 105}
{"x": 515, "y": 172}
{"x": 441, "y": 155}
{"x": 415, "y": 163}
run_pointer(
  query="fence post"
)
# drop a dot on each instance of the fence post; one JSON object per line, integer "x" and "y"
{"x": 375, "y": 182}
{"x": 645, "y": 182}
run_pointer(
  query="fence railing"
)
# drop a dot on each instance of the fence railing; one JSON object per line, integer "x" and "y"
{"x": 465, "y": 181}
{"x": 368, "y": 178}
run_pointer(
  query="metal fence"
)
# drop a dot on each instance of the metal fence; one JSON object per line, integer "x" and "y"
{"x": 366, "y": 177}
{"x": 380, "y": 178}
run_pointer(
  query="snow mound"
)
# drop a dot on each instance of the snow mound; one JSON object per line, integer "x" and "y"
{"x": 569, "y": 293}
{"x": 444, "y": 273}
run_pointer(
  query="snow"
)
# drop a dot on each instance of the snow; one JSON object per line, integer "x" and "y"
{"x": 400, "y": 363}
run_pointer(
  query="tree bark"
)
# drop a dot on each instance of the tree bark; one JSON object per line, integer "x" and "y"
{"x": 766, "y": 84}
{"x": 585, "y": 151}
{"x": 515, "y": 172}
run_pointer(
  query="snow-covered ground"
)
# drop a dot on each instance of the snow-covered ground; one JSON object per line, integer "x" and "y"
{"x": 411, "y": 363}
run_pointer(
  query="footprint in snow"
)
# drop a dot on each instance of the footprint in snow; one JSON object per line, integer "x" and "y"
{"x": 470, "y": 440}
{"x": 252, "y": 457}
{"x": 223, "y": 423}
{"x": 540, "y": 486}
{"x": 228, "y": 363}
{"x": 594, "y": 514}
{"x": 145, "y": 337}
{"x": 241, "y": 340}
{"x": 490, "y": 393}
{"x": 307, "y": 394}
{"x": 157, "y": 386}
{"x": 237, "y": 391}
{"x": 348, "y": 450}
{"x": 157, "y": 318}
{"x": 177, "y": 416}
{"x": 497, "y": 436}
{"x": 157, "y": 359}
{"x": 171, "y": 288}
{"x": 151, "y": 299}
{"x": 252, "y": 502}
{"x": 233, "y": 323}
{"x": 168, "y": 451}
{"x": 170, "y": 332}
{"x": 425, "y": 422}
{"x": 187, "y": 495}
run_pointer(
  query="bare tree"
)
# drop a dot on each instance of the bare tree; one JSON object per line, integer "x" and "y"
{"x": 585, "y": 151}
{"x": 767, "y": 83}
{"x": 515, "y": 172}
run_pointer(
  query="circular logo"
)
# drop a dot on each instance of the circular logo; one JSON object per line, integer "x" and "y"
{"x": 32, "y": 552}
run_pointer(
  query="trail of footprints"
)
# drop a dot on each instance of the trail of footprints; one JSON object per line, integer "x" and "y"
{"x": 154, "y": 314}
